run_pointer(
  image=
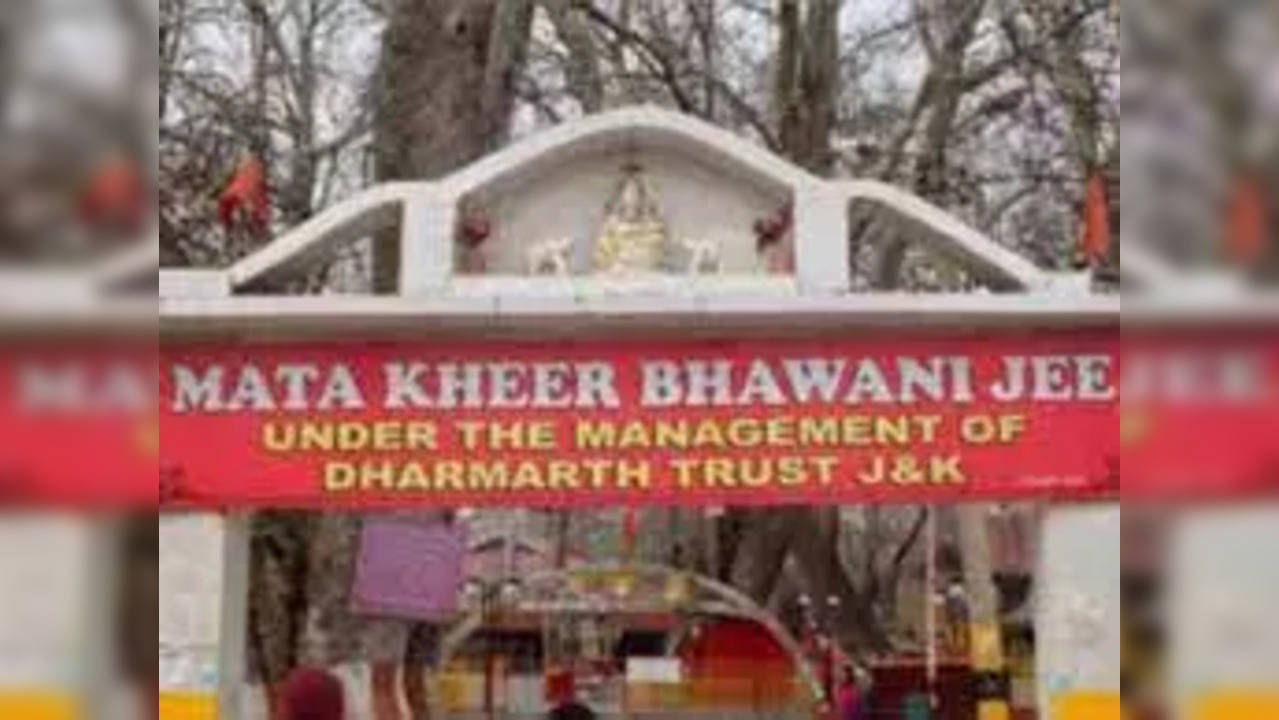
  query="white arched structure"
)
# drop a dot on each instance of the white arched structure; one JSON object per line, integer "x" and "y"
{"x": 702, "y": 157}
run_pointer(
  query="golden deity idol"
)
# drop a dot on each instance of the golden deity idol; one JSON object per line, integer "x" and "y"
{"x": 633, "y": 236}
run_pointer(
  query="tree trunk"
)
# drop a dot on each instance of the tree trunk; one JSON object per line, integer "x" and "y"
{"x": 810, "y": 538}
{"x": 805, "y": 89}
{"x": 816, "y": 552}
{"x": 946, "y": 29}
{"x": 806, "y": 81}
{"x": 296, "y": 195}
{"x": 445, "y": 87}
{"x": 563, "y": 530}
{"x": 582, "y": 71}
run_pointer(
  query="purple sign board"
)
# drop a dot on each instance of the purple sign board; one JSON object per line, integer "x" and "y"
{"x": 408, "y": 568}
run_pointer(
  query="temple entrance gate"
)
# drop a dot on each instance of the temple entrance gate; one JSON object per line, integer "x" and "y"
{"x": 637, "y": 223}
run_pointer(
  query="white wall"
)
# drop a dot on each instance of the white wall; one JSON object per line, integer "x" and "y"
{"x": 567, "y": 200}
{"x": 1077, "y": 603}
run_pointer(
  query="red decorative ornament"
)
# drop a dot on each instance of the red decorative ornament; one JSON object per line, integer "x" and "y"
{"x": 475, "y": 230}
{"x": 246, "y": 199}
{"x": 472, "y": 232}
{"x": 771, "y": 229}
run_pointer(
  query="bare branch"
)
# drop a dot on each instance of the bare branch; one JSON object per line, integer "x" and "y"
{"x": 582, "y": 66}
{"x": 662, "y": 66}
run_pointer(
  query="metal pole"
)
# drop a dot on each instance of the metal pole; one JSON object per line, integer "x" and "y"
{"x": 930, "y": 604}
{"x": 508, "y": 544}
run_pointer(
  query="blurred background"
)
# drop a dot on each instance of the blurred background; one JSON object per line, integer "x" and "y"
{"x": 77, "y": 129}
{"x": 78, "y": 158}
{"x": 1201, "y": 133}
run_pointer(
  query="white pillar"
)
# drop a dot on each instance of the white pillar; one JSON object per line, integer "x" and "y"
{"x": 821, "y": 240}
{"x": 426, "y": 244}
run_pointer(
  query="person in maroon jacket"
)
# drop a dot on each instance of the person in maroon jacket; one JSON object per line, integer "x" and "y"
{"x": 311, "y": 694}
{"x": 571, "y": 710}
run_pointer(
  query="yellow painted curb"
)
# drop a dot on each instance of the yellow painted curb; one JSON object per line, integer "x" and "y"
{"x": 188, "y": 706}
{"x": 1087, "y": 706}
{"x": 38, "y": 706}
{"x": 1256, "y": 705}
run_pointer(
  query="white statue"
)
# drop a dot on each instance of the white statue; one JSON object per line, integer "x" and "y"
{"x": 703, "y": 256}
{"x": 549, "y": 257}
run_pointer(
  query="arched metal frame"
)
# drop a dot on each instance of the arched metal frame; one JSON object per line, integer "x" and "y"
{"x": 733, "y": 603}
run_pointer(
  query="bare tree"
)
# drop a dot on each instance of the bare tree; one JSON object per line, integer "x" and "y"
{"x": 445, "y": 88}
{"x": 280, "y": 92}
{"x": 806, "y": 81}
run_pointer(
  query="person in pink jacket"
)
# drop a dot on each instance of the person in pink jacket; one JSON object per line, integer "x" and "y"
{"x": 849, "y": 697}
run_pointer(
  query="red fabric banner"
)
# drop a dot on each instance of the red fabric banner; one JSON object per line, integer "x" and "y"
{"x": 569, "y": 424}
{"x": 875, "y": 419}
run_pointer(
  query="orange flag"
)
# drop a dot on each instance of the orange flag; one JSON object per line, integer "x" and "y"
{"x": 1246, "y": 220}
{"x": 1094, "y": 241}
{"x": 246, "y": 196}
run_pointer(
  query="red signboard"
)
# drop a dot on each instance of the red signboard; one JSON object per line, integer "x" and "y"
{"x": 852, "y": 420}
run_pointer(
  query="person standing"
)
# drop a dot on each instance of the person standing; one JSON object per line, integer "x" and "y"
{"x": 851, "y": 701}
